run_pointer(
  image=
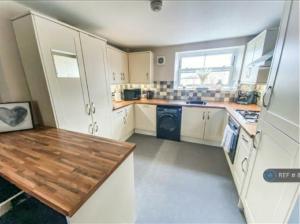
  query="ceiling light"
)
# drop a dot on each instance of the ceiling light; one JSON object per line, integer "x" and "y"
{"x": 156, "y": 5}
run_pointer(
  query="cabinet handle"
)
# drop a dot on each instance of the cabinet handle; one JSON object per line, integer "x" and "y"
{"x": 88, "y": 109}
{"x": 147, "y": 75}
{"x": 114, "y": 76}
{"x": 203, "y": 115}
{"x": 93, "y": 108}
{"x": 267, "y": 94}
{"x": 243, "y": 137}
{"x": 208, "y": 116}
{"x": 258, "y": 133}
{"x": 242, "y": 164}
{"x": 124, "y": 120}
{"x": 91, "y": 129}
{"x": 95, "y": 128}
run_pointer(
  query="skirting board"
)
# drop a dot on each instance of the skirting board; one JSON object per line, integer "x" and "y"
{"x": 200, "y": 141}
{"x": 128, "y": 136}
{"x": 145, "y": 132}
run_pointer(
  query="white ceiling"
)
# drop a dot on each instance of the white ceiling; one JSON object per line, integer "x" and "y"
{"x": 133, "y": 24}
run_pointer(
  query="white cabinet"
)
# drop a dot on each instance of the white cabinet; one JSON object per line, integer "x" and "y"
{"x": 202, "y": 125}
{"x": 66, "y": 74}
{"x": 141, "y": 67}
{"x": 123, "y": 123}
{"x": 94, "y": 54}
{"x": 257, "y": 47}
{"x": 118, "y": 65}
{"x": 277, "y": 140}
{"x": 281, "y": 101}
{"x": 214, "y": 125}
{"x": 145, "y": 119}
{"x": 241, "y": 160}
{"x": 266, "y": 202}
{"x": 192, "y": 123}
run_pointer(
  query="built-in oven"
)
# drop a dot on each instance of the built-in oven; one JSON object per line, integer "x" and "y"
{"x": 235, "y": 131}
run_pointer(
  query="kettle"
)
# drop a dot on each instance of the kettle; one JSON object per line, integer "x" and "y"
{"x": 149, "y": 94}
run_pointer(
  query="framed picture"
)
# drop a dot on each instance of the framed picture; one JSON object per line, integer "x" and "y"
{"x": 15, "y": 116}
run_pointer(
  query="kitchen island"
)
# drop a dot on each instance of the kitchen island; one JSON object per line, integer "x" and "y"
{"x": 87, "y": 179}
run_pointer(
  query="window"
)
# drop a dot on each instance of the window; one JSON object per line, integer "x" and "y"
{"x": 205, "y": 69}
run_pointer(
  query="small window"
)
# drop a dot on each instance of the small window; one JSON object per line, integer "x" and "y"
{"x": 66, "y": 65}
{"x": 205, "y": 69}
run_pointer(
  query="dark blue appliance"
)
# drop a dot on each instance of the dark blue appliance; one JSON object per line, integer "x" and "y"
{"x": 168, "y": 122}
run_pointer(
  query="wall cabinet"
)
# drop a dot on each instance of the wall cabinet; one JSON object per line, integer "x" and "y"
{"x": 123, "y": 123}
{"x": 202, "y": 125}
{"x": 145, "y": 119}
{"x": 118, "y": 65}
{"x": 257, "y": 47}
{"x": 66, "y": 74}
{"x": 141, "y": 67}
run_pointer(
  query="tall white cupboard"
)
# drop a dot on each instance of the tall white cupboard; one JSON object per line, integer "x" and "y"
{"x": 277, "y": 140}
{"x": 66, "y": 71}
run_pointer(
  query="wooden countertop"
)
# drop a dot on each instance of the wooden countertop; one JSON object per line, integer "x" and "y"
{"x": 250, "y": 128}
{"x": 60, "y": 168}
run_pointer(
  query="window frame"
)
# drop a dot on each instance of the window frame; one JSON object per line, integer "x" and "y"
{"x": 207, "y": 52}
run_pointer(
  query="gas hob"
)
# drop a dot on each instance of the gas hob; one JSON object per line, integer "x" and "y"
{"x": 249, "y": 115}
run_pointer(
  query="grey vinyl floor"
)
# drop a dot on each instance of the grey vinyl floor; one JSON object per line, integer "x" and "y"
{"x": 179, "y": 182}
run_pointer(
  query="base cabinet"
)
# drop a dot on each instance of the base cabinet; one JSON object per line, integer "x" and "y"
{"x": 145, "y": 119}
{"x": 241, "y": 160}
{"x": 202, "y": 125}
{"x": 123, "y": 123}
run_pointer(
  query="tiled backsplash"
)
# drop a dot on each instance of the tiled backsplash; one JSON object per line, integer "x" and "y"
{"x": 165, "y": 90}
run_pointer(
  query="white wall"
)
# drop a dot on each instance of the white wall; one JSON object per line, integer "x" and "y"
{"x": 166, "y": 72}
{"x": 13, "y": 85}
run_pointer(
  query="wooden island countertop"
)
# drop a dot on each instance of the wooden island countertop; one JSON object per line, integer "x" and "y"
{"x": 230, "y": 107}
{"x": 60, "y": 168}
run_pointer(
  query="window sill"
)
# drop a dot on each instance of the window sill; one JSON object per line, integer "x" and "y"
{"x": 229, "y": 89}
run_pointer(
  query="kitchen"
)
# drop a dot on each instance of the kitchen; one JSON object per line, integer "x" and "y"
{"x": 99, "y": 126}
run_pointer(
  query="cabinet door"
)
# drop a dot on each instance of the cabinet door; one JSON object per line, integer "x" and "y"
{"x": 118, "y": 124}
{"x": 114, "y": 64}
{"x": 129, "y": 116}
{"x": 193, "y": 122}
{"x": 63, "y": 64}
{"x": 266, "y": 202}
{"x": 259, "y": 45}
{"x": 145, "y": 118}
{"x": 94, "y": 54}
{"x": 241, "y": 159}
{"x": 281, "y": 101}
{"x": 214, "y": 125}
{"x": 140, "y": 67}
{"x": 124, "y": 70}
{"x": 246, "y": 75}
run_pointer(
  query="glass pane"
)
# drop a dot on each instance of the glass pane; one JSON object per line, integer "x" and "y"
{"x": 66, "y": 65}
{"x": 192, "y": 62}
{"x": 189, "y": 79}
{"x": 220, "y": 60}
{"x": 210, "y": 79}
{"x": 217, "y": 78}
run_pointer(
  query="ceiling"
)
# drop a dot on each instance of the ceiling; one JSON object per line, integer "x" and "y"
{"x": 133, "y": 24}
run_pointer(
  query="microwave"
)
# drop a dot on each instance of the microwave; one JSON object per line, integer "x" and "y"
{"x": 132, "y": 94}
